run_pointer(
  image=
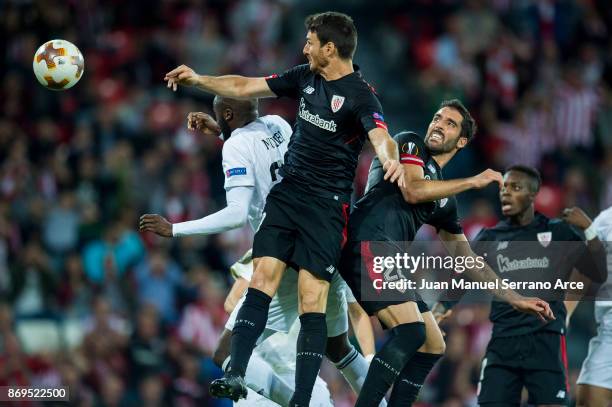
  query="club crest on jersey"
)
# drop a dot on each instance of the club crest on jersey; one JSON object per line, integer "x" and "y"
{"x": 545, "y": 238}
{"x": 337, "y": 102}
{"x": 443, "y": 202}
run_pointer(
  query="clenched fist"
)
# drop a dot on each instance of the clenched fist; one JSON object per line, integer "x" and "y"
{"x": 204, "y": 122}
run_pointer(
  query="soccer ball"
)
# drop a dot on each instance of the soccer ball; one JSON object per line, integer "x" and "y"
{"x": 58, "y": 65}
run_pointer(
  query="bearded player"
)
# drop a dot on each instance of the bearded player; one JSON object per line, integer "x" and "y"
{"x": 388, "y": 214}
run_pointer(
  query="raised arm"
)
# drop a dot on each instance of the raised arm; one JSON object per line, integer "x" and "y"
{"x": 417, "y": 189}
{"x": 232, "y": 86}
{"x": 458, "y": 245}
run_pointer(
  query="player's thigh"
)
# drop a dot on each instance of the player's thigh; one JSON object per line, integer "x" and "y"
{"x": 267, "y": 274}
{"x": 321, "y": 230}
{"x": 593, "y": 396}
{"x": 277, "y": 233}
{"x": 499, "y": 386}
{"x": 596, "y": 372}
{"x": 312, "y": 292}
{"x": 434, "y": 340}
{"x": 547, "y": 387}
{"x": 397, "y": 314}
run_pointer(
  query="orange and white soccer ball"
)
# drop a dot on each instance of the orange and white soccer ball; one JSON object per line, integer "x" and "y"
{"x": 58, "y": 64}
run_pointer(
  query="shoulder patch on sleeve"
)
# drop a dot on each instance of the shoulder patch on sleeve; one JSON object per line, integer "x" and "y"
{"x": 236, "y": 171}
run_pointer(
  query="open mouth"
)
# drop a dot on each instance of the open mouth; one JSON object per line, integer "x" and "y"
{"x": 436, "y": 136}
{"x": 506, "y": 205}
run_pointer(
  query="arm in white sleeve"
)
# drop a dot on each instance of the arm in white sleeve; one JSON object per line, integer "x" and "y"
{"x": 233, "y": 216}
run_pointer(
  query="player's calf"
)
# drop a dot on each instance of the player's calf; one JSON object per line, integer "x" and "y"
{"x": 222, "y": 350}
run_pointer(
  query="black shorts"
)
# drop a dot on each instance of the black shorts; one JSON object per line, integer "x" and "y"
{"x": 356, "y": 268}
{"x": 303, "y": 230}
{"x": 535, "y": 361}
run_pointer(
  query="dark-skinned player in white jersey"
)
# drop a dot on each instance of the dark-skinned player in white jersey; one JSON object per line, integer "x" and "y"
{"x": 388, "y": 217}
{"x": 306, "y": 213}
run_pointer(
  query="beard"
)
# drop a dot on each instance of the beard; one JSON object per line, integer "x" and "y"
{"x": 318, "y": 63}
{"x": 445, "y": 147}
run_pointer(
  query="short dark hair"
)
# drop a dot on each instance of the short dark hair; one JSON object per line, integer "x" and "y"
{"x": 530, "y": 172}
{"x": 468, "y": 124}
{"x": 334, "y": 27}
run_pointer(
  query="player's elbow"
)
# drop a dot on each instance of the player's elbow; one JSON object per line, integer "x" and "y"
{"x": 410, "y": 195}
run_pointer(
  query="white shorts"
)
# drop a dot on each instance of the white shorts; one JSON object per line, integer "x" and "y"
{"x": 597, "y": 366}
{"x": 284, "y": 306}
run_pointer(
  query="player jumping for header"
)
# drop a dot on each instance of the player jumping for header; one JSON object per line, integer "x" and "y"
{"x": 306, "y": 213}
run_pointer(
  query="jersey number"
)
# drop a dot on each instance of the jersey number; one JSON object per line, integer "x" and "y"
{"x": 274, "y": 168}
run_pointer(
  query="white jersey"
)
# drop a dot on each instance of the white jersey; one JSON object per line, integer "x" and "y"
{"x": 603, "y": 309}
{"x": 252, "y": 156}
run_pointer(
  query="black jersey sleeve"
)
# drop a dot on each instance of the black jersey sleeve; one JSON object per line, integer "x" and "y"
{"x": 369, "y": 111}
{"x": 412, "y": 148}
{"x": 289, "y": 82}
{"x": 449, "y": 221}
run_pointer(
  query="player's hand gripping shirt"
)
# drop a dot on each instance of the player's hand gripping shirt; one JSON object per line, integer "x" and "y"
{"x": 332, "y": 123}
{"x": 382, "y": 214}
{"x": 252, "y": 157}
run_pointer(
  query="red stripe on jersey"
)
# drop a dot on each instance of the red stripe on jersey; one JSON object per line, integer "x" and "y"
{"x": 345, "y": 214}
{"x": 411, "y": 159}
{"x": 563, "y": 349}
{"x": 368, "y": 261}
{"x": 381, "y": 124}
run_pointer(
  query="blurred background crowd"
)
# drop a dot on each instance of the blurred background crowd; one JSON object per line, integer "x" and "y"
{"x": 125, "y": 318}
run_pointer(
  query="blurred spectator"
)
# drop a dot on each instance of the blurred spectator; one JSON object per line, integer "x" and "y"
{"x": 74, "y": 292}
{"x": 32, "y": 283}
{"x": 147, "y": 347}
{"x": 158, "y": 279}
{"x": 187, "y": 391}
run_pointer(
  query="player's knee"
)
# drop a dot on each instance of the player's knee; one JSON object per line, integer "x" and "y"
{"x": 337, "y": 348}
{"x": 434, "y": 345}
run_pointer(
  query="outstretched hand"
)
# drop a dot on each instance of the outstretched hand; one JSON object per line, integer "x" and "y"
{"x": 181, "y": 75}
{"x": 486, "y": 177}
{"x": 156, "y": 224}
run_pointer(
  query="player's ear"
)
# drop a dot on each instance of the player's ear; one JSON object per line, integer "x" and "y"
{"x": 228, "y": 114}
{"x": 329, "y": 48}
{"x": 462, "y": 142}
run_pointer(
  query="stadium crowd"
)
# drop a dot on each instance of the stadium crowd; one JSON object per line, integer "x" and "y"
{"x": 125, "y": 318}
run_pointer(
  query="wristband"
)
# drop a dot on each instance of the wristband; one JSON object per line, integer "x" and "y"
{"x": 590, "y": 233}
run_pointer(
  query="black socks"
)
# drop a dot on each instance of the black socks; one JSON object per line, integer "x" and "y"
{"x": 310, "y": 351}
{"x": 408, "y": 384}
{"x": 390, "y": 361}
{"x": 250, "y": 323}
